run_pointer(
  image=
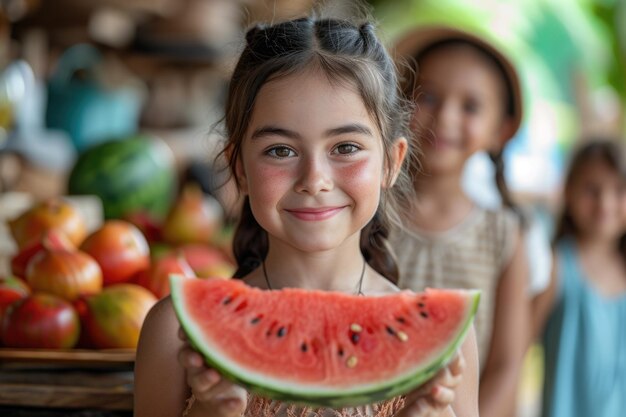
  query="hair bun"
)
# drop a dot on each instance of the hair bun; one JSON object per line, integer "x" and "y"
{"x": 367, "y": 32}
{"x": 367, "y": 28}
{"x": 251, "y": 33}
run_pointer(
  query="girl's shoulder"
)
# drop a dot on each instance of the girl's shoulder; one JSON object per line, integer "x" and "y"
{"x": 500, "y": 233}
{"x": 502, "y": 218}
{"x": 161, "y": 316}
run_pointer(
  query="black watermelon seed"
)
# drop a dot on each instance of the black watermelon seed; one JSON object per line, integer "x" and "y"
{"x": 420, "y": 305}
{"x": 255, "y": 320}
{"x": 390, "y": 330}
{"x": 400, "y": 320}
{"x": 340, "y": 352}
{"x": 424, "y": 314}
{"x": 304, "y": 347}
{"x": 227, "y": 301}
{"x": 281, "y": 332}
{"x": 355, "y": 338}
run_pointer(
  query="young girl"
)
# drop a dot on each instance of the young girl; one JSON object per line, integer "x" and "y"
{"x": 468, "y": 99}
{"x": 315, "y": 128}
{"x": 585, "y": 304}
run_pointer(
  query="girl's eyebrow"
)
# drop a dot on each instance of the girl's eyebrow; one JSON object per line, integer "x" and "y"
{"x": 274, "y": 131}
{"x": 350, "y": 128}
{"x": 336, "y": 131}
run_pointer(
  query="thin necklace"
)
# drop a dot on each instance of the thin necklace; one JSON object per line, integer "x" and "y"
{"x": 359, "y": 287}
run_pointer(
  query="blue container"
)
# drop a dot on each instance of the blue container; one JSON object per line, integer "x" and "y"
{"x": 83, "y": 107}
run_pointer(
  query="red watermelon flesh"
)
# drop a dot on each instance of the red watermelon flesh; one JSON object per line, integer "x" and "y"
{"x": 323, "y": 348}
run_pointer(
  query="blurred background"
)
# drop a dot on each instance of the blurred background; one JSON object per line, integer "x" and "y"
{"x": 77, "y": 74}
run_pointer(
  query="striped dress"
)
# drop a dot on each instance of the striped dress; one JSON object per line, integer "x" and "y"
{"x": 472, "y": 254}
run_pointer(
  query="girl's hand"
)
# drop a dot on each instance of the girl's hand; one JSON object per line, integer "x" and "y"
{"x": 436, "y": 396}
{"x": 218, "y": 396}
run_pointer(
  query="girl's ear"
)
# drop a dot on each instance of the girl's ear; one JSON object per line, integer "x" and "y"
{"x": 398, "y": 152}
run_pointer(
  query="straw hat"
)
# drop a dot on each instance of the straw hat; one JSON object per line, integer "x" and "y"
{"x": 413, "y": 42}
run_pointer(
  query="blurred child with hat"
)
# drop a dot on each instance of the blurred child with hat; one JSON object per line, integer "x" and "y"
{"x": 468, "y": 99}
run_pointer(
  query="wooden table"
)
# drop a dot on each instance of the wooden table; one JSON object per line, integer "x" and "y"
{"x": 66, "y": 379}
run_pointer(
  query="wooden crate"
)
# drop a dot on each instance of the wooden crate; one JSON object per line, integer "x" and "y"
{"x": 80, "y": 379}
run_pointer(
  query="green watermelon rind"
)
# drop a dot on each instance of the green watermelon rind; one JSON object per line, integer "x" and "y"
{"x": 332, "y": 398}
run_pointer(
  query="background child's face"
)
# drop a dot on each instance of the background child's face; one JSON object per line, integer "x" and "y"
{"x": 596, "y": 200}
{"x": 460, "y": 107}
{"x": 311, "y": 162}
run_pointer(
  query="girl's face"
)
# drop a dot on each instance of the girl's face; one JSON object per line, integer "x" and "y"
{"x": 596, "y": 200}
{"x": 312, "y": 162}
{"x": 460, "y": 107}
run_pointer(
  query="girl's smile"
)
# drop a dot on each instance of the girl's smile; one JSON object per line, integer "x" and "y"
{"x": 314, "y": 214}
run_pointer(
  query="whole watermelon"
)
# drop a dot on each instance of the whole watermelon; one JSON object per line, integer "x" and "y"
{"x": 130, "y": 175}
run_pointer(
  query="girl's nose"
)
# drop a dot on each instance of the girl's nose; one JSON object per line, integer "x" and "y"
{"x": 446, "y": 116}
{"x": 315, "y": 176}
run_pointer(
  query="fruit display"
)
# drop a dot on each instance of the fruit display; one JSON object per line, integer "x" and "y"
{"x": 322, "y": 348}
{"x": 74, "y": 289}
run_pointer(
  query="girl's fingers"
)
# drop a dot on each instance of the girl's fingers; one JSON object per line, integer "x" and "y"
{"x": 442, "y": 396}
{"x": 181, "y": 334}
{"x": 447, "y": 379}
{"x": 223, "y": 392}
{"x": 203, "y": 382}
{"x": 189, "y": 359}
{"x": 457, "y": 366}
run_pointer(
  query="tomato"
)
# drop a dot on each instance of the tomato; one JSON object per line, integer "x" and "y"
{"x": 65, "y": 273}
{"x": 113, "y": 318}
{"x": 120, "y": 249}
{"x": 57, "y": 214}
{"x": 41, "y": 321}
{"x": 53, "y": 239}
{"x": 157, "y": 278}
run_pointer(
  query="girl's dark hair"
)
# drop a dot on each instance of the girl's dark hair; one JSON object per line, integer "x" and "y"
{"x": 346, "y": 54}
{"x": 411, "y": 83}
{"x": 607, "y": 151}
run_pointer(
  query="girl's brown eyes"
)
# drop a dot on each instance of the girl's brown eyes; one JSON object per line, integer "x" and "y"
{"x": 280, "y": 152}
{"x": 286, "y": 152}
{"x": 347, "y": 148}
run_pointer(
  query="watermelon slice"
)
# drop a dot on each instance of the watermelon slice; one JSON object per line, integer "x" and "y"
{"x": 322, "y": 348}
